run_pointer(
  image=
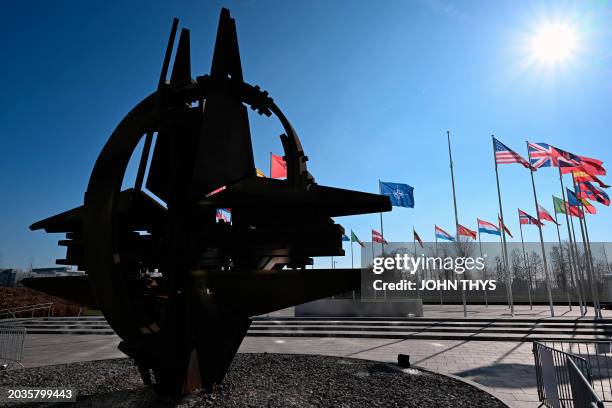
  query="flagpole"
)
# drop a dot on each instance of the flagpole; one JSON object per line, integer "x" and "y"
{"x": 535, "y": 199}
{"x": 416, "y": 272}
{"x": 450, "y": 158}
{"x": 502, "y": 244}
{"x": 270, "y": 173}
{"x": 382, "y": 232}
{"x": 573, "y": 253}
{"x": 579, "y": 267}
{"x": 569, "y": 301}
{"x": 485, "y": 267}
{"x": 352, "y": 262}
{"x": 438, "y": 272}
{"x": 503, "y": 235}
{"x": 587, "y": 254}
{"x": 527, "y": 267}
{"x": 586, "y": 233}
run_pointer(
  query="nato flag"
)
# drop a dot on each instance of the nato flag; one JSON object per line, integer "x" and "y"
{"x": 401, "y": 195}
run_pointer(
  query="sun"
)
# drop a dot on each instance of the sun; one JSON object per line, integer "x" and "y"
{"x": 554, "y": 43}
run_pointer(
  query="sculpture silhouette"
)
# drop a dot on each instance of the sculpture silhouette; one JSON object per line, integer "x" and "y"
{"x": 177, "y": 285}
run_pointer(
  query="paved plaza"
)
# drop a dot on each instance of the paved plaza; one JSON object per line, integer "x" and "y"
{"x": 505, "y": 368}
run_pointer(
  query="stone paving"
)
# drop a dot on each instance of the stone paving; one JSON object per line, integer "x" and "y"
{"x": 505, "y": 367}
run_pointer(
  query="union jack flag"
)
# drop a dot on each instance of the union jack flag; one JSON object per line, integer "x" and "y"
{"x": 545, "y": 155}
{"x": 505, "y": 155}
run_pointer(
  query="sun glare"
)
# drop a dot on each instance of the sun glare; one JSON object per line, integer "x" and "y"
{"x": 554, "y": 43}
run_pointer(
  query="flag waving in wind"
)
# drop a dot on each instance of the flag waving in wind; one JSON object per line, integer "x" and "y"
{"x": 505, "y": 155}
{"x": 416, "y": 237}
{"x": 278, "y": 166}
{"x": 545, "y": 215}
{"x": 440, "y": 233}
{"x": 589, "y": 191}
{"x": 355, "y": 239}
{"x": 525, "y": 218}
{"x": 465, "y": 232}
{"x": 378, "y": 237}
{"x": 401, "y": 195}
{"x": 561, "y": 207}
{"x": 502, "y": 225}
{"x": 487, "y": 227}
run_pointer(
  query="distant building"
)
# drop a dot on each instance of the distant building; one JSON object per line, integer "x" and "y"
{"x": 53, "y": 272}
{"x": 8, "y": 277}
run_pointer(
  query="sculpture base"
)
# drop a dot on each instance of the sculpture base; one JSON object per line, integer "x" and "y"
{"x": 271, "y": 380}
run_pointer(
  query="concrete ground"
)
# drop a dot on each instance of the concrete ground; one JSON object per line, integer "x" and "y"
{"x": 506, "y": 368}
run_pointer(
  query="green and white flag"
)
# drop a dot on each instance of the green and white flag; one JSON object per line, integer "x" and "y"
{"x": 355, "y": 239}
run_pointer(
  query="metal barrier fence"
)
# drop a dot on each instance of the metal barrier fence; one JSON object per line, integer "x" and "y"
{"x": 14, "y": 311}
{"x": 11, "y": 344}
{"x": 598, "y": 355}
{"x": 583, "y": 395}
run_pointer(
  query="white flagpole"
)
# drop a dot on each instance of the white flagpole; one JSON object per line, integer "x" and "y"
{"x": 503, "y": 235}
{"x": 535, "y": 199}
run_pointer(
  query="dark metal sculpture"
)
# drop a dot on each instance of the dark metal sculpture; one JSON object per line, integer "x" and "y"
{"x": 176, "y": 285}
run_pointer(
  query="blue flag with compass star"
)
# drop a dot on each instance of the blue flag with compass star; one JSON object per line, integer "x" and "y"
{"x": 401, "y": 195}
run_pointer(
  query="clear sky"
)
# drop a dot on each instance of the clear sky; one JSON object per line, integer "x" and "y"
{"x": 371, "y": 89}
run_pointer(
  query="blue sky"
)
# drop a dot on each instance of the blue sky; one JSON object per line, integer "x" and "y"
{"x": 371, "y": 91}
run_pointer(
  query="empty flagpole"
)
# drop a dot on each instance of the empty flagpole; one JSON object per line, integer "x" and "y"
{"x": 437, "y": 272}
{"x": 450, "y": 158}
{"x": 572, "y": 253}
{"x": 352, "y": 262}
{"x": 416, "y": 271}
{"x": 527, "y": 267}
{"x": 569, "y": 301}
{"x": 587, "y": 253}
{"x": 485, "y": 267}
{"x": 382, "y": 232}
{"x": 535, "y": 199}
{"x": 503, "y": 234}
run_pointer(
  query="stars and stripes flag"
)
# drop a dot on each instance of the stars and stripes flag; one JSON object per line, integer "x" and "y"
{"x": 357, "y": 240}
{"x": 487, "y": 227}
{"x": 416, "y": 237}
{"x": 505, "y": 155}
{"x": 465, "y": 231}
{"x": 589, "y": 191}
{"x": 545, "y": 215}
{"x": 525, "y": 218}
{"x": 440, "y": 233}
{"x": 378, "y": 237}
{"x": 502, "y": 225}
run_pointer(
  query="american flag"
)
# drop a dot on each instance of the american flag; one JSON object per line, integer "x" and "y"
{"x": 505, "y": 155}
{"x": 378, "y": 237}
